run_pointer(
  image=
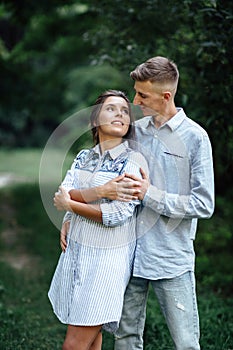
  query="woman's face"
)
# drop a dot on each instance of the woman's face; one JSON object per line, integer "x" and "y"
{"x": 114, "y": 119}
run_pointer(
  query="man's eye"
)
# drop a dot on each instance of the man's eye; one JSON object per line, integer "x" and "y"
{"x": 143, "y": 96}
{"x": 110, "y": 109}
{"x": 126, "y": 111}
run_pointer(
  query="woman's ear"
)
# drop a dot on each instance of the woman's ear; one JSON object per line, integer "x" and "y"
{"x": 95, "y": 123}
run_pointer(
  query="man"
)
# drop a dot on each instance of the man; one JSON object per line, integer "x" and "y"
{"x": 179, "y": 192}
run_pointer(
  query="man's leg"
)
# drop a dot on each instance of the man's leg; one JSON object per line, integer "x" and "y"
{"x": 130, "y": 333}
{"x": 177, "y": 299}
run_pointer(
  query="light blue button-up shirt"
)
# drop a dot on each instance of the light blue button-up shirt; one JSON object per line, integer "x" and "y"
{"x": 180, "y": 162}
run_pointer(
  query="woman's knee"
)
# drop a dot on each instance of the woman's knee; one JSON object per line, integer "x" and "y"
{"x": 67, "y": 345}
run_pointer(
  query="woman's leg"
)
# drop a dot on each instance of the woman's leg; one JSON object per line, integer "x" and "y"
{"x": 97, "y": 344}
{"x": 82, "y": 338}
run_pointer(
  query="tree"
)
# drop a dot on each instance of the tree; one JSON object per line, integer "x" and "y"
{"x": 46, "y": 45}
{"x": 197, "y": 35}
{"x": 41, "y": 43}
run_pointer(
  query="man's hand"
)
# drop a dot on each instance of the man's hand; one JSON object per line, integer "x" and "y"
{"x": 62, "y": 200}
{"x": 144, "y": 183}
{"x": 120, "y": 188}
{"x": 63, "y": 235}
{"x": 125, "y": 187}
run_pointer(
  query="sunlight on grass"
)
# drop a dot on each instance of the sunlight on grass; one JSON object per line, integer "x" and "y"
{"x": 25, "y": 163}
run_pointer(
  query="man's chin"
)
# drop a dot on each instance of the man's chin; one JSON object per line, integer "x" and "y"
{"x": 147, "y": 112}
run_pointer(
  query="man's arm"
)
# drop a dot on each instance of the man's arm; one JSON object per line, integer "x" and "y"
{"x": 198, "y": 203}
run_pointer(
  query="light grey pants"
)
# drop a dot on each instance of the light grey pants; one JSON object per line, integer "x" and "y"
{"x": 177, "y": 299}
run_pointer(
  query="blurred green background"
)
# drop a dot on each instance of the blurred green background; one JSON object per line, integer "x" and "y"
{"x": 55, "y": 58}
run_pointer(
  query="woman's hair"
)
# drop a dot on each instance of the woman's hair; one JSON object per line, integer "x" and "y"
{"x": 96, "y": 111}
{"x": 159, "y": 70}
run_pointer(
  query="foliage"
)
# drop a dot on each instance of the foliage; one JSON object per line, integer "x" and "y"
{"x": 198, "y": 37}
{"x": 35, "y": 70}
{"x": 213, "y": 247}
{"x": 49, "y": 53}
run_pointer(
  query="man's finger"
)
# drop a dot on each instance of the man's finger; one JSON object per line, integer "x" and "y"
{"x": 133, "y": 177}
{"x": 144, "y": 175}
{"x": 119, "y": 178}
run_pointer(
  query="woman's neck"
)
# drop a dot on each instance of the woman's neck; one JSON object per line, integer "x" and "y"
{"x": 106, "y": 145}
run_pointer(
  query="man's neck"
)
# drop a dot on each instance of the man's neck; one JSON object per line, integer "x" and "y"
{"x": 160, "y": 119}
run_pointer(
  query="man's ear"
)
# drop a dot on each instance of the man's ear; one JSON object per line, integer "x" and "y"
{"x": 167, "y": 95}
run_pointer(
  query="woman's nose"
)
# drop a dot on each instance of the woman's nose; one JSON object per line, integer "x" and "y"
{"x": 119, "y": 112}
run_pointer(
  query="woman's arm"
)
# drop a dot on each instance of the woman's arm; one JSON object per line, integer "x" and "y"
{"x": 119, "y": 188}
{"x": 62, "y": 201}
{"x": 110, "y": 213}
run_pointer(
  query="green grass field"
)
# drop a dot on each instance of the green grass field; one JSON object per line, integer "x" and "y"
{"x": 29, "y": 246}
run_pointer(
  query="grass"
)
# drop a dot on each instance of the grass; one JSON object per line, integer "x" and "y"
{"x": 30, "y": 243}
{"x": 26, "y": 163}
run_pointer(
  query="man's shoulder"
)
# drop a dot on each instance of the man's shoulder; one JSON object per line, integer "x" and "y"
{"x": 141, "y": 126}
{"x": 143, "y": 121}
{"x": 194, "y": 126}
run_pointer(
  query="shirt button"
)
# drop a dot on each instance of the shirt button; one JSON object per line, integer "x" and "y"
{"x": 155, "y": 136}
{"x": 141, "y": 222}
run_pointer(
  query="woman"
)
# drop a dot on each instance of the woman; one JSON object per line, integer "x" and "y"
{"x": 88, "y": 286}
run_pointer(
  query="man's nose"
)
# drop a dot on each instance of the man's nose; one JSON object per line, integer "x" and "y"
{"x": 136, "y": 100}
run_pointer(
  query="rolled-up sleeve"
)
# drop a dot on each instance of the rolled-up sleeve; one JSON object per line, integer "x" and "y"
{"x": 116, "y": 212}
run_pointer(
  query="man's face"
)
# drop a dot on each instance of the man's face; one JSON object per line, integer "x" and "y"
{"x": 149, "y": 97}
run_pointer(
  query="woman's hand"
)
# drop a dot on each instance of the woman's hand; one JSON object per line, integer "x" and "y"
{"x": 63, "y": 235}
{"x": 62, "y": 200}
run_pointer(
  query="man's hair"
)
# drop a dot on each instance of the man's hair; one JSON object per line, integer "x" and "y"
{"x": 159, "y": 70}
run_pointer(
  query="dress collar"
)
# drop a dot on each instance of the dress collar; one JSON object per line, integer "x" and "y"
{"x": 113, "y": 152}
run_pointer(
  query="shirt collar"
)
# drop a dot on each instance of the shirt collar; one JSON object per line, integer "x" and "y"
{"x": 114, "y": 152}
{"x": 175, "y": 121}
{"x": 172, "y": 123}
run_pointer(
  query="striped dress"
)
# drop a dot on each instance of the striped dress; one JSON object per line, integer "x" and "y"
{"x": 89, "y": 282}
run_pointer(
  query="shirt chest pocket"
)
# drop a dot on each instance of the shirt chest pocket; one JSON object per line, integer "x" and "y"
{"x": 176, "y": 172}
